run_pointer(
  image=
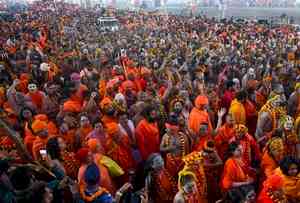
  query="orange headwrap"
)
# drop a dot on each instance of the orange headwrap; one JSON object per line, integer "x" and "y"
{"x": 72, "y": 106}
{"x": 41, "y": 117}
{"x": 38, "y": 125}
{"x": 93, "y": 144}
{"x": 105, "y": 102}
{"x": 201, "y": 100}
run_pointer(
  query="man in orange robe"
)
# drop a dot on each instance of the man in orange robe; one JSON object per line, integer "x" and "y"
{"x": 199, "y": 115}
{"x": 237, "y": 109}
{"x": 118, "y": 146}
{"x": 224, "y": 134}
{"x": 147, "y": 133}
{"x": 83, "y": 131}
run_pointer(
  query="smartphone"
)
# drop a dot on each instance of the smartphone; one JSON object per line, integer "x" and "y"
{"x": 43, "y": 152}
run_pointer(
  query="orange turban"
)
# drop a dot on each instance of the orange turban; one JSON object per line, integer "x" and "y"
{"x": 112, "y": 128}
{"x": 41, "y": 117}
{"x": 72, "y": 106}
{"x": 93, "y": 144}
{"x": 38, "y": 126}
{"x": 201, "y": 100}
{"x": 105, "y": 102}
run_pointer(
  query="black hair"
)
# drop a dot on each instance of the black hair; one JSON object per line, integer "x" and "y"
{"x": 286, "y": 162}
{"x": 229, "y": 84}
{"x": 148, "y": 164}
{"x": 231, "y": 148}
{"x": 173, "y": 119}
{"x": 20, "y": 178}
{"x": 21, "y": 117}
{"x": 53, "y": 149}
{"x": 277, "y": 133}
{"x": 147, "y": 110}
{"x": 4, "y": 166}
{"x": 241, "y": 95}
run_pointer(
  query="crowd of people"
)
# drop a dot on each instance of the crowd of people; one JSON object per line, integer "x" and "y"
{"x": 164, "y": 109}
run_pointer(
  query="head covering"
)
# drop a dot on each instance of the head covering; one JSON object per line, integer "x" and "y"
{"x": 105, "y": 102}
{"x": 72, "y": 106}
{"x": 82, "y": 154}
{"x": 182, "y": 174}
{"x": 119, "y": 97}
{"x": 92, "y": 175}
{"x": 201, "y": 100}
{"x": 38, "y": 125}
{"x": 275, "y": 144}
{"x": 93, "y": 144}
{"x": 240, "y": 128}
{"x": 112, "y": 128}
{"x": 45, "y": 67}
{"x": 41, "y": 117}
{"x": 192, "y": 157}
{"x": 274, "y": 182}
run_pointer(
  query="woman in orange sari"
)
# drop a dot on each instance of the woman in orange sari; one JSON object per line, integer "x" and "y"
{"x": 234, "y": 177}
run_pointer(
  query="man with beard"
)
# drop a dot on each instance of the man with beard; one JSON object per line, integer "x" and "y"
{"x": 147, "y": 133}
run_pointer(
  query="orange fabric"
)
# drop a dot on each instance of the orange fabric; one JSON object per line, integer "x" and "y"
{"x": 78, "y": 96}
{"x": 29, "y": 138}
{"x": 37, "y": 98}
{"x": 106, "y": 180}
{"x": 128, "y": 85}
{"x": 120, "y": 150}
{"x": 148, "y": 139}
{"x": 102, "y": 88}
{"x": 233, "y": 172}
{"x": 38, "y": 125}
{"x": 268, "y": 164}
{"x": 196, "y": 118}
{"x": 202, "y": 142}
{"x": 2, "y": 96}
{"x": 273, "y": 183}
{"x": 291, "y": 185}
{"x": 107, "y": 120}
{"x": 69, "y": 139}
{"x": 225, "y": 133}
{"x": 166, "y": 187}
{"x": 201, "y": 101}
{"x": 84, "y": 131}
{"x": 105, "y": 102}
{"x": 238, "y": 112}
{"x": 72, "y": 106}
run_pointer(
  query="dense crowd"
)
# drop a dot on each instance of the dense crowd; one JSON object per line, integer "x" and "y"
{"x": 165, "y": 109}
